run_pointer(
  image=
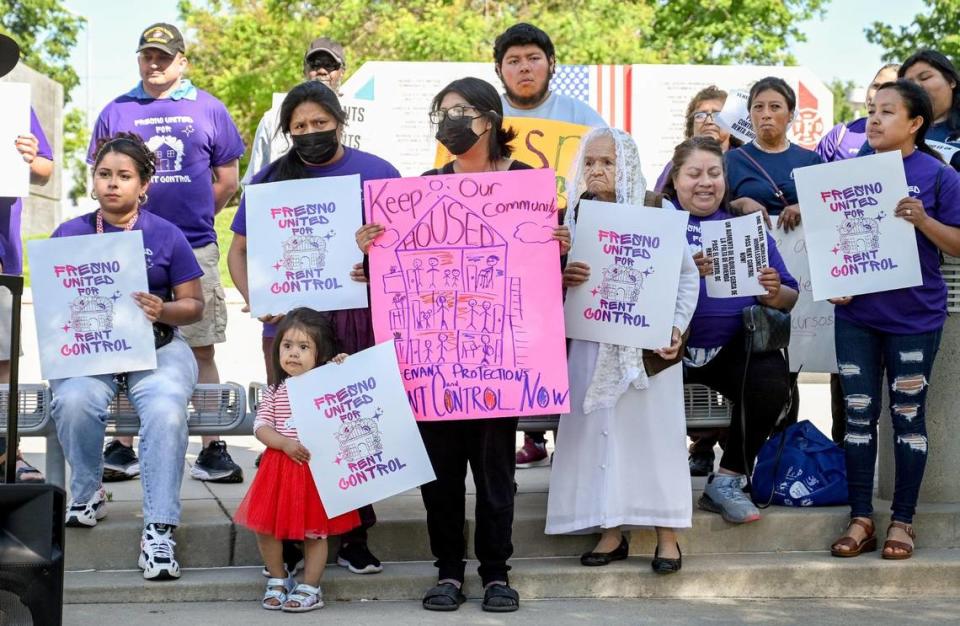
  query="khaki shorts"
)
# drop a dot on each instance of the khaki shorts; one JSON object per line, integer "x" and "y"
{"x": 213, "y": 327}
{"x": 6, "y": 312}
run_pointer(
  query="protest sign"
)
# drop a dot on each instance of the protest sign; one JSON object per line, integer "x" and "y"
{"x": 739, "y": 250}
{"x": 946, "y": 150}
{"x": 355, "y": 421}
{"x": 735, "y": 118}
{"x": 14, "y": 121}
{"x": 854, "y": 243}
{"x": 812, "y": 344}
{"x": 87, "y": 320}
{"x": 542, "y": 144}
{"x": 465, "y": 282}
{"x": 301, "y": 246}
{"x": 634, "y": 254}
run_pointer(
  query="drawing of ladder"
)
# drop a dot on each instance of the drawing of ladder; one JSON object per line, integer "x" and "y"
{"x": 516, "y": 300}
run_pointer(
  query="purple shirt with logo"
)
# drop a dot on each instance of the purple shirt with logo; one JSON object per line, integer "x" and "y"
{"x": 353, "y": 326}
{"x": 843, "y": 141}
{"x": 717, "y": 320}
{"x": 11, "y": 210}
{"x": 744, "y": 180}
{"x": 189, "y": 135}
{"x": 919, "y": 309}
{"x": 170, "y": 261}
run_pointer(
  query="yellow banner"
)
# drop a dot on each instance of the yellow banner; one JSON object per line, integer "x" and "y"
{"x": 541, "y": 144}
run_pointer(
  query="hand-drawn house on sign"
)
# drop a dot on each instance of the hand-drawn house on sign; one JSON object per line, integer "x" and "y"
{"x": 621, "y": 284}
{"x": 458, "y": 302}
{"x": 304, "y": 252}
{"x": 859, "y": 234}
{"x": 91, "y": 313}
{"x": 359, "y": 439}
{"x": 169, "y": 152}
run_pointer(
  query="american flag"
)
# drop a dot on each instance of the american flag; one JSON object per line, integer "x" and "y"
{"x": 606, "y": 88}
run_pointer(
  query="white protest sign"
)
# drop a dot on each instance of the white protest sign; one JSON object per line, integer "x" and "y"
{"x": 356, "y": 421}
{"x": 14, "y": 121}
{"x": 634, "y": 254}
{"x": 812, "y": 344}
{"x": 854, "y": 243}
{"x": 301, "y": 246}
{"x": 87, "y": 320}
{"x": 735, "y": 118}
{"x": 739, "y": 250}
{"x": 946, "y": 150}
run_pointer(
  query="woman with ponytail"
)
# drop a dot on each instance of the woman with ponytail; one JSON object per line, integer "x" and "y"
{"x": 898, "y": 331}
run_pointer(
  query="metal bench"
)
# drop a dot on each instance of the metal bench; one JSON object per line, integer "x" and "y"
{"x": 216, "y": 409}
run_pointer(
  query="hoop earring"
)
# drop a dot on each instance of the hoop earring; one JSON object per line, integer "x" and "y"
{"x": 93, "y": 195}
{"x": 143, "y": 198}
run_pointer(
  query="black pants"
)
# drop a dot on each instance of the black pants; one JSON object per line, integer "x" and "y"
{"x": 488, "y": 446}
{"x": 767, "y": 390}
{"x": 838, "y": 410}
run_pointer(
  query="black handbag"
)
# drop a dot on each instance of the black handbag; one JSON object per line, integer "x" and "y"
{"x": 162, "y": 334}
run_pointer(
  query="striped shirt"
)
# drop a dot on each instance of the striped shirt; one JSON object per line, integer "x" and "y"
{"x": 274, "y": 411}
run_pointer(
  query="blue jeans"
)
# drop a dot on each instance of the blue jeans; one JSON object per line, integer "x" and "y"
{"x": 160, "y": 397}
{"x": 862, "y": 356}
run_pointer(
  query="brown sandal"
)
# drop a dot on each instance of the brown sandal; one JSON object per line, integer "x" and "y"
{"x": 869, "y": 543}
{"x": 893, "y": 544}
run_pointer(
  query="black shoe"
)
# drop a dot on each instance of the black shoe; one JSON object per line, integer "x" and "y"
{"x": 256, "y": 461}
{"x": 119, "y": 462}
{"x": 593, "y": 559}
{"x": 215, "y": 465}
{"x": 701, "y": 463}
{"x": 499, "y": 598}
{"x": 357, "y": 558}
{"x": 666, "y": 566}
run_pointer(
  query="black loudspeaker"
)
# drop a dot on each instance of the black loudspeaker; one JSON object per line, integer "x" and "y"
{"x": 31, "y": 554}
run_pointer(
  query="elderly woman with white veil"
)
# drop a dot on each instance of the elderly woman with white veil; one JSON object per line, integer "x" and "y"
{"x": 621, "y": 457}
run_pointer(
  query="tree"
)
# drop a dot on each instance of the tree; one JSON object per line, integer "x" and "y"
{"x": 244, "y": 50}
{"x": 843, "y": 111}
{"x": 936, "y": 28}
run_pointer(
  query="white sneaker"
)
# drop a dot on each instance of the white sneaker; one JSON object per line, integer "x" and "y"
{"x": 87, "y": 514}
{"x": 157, "y": 559}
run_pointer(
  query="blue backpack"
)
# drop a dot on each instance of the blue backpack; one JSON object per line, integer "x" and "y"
{"x": 810, "y": 470}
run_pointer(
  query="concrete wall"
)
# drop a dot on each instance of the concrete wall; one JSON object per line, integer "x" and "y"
{"x": 42, "y": 211}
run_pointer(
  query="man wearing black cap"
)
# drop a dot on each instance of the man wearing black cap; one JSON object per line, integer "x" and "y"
{"x": 198, "y": 148}
{"x": 35, "y": 150}
{"x": 324, "y": 61}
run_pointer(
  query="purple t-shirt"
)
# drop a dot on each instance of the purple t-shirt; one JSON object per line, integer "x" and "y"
{"x": 919, "y": 309}
{"x": 11, "y": 248}
{"x": 717, "y": 320}
{"x": 170, "y": 261}
{"x": 189, "y": 137}
{"x": 744, "y": 180}
{"x": 843, "y": 141}
{"x": 663, "y": 177}
{"x": 369, "y": 167}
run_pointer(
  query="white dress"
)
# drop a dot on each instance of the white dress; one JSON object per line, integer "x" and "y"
{"x": 625, "y": 466}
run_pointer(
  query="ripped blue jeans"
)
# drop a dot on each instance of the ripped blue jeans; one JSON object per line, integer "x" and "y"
{"x": 862, "y": 356}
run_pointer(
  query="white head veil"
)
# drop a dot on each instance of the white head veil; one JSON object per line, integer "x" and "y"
{"x": 617, "y": 367}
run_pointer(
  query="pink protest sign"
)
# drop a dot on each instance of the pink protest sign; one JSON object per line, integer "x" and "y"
{"x": 466, "y": 284}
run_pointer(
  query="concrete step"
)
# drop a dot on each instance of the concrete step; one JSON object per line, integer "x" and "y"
{"x": 930, "y": 573}
{"x": 208, "y": 537}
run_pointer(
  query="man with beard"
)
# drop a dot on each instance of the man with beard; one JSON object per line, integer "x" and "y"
{"x": 324, "y": 61}
{"x": 525, "y": 63}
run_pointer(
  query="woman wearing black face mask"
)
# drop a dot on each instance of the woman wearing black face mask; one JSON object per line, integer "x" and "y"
{"x": 313, "y": 120}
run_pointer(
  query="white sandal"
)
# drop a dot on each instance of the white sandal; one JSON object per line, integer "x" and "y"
{"x": 307, "y": 598}
{"x": 273, "y": 594}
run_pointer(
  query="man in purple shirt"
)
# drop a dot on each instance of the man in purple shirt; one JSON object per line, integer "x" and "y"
{"x": 35, "y": 150}
{"x": 198, "y": 148}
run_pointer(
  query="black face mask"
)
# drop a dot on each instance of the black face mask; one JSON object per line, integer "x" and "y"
{"x": 316, "y": 148}
{"x": 457, "y": 136}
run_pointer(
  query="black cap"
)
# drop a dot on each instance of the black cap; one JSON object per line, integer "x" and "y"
{"x": 325, "y": 44}
{"x": 9, "y": 54}
{"x": 162, "y": 36}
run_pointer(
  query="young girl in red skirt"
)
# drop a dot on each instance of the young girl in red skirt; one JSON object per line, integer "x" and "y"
{"x": 283, "y": 503}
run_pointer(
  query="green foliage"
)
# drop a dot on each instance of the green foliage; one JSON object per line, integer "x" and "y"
{"x": 46, "y": 33}
{"x": 243, "y": 50}
{"x": 843, "y": 111}
{"x": 76, "y": 137}
{"x": 936, "y": 28}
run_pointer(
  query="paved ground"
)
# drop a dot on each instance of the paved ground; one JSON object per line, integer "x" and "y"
{"x": 553, "y": 612}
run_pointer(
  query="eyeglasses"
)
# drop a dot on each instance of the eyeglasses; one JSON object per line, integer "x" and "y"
{"x": 325, "y": 63}
{"x": 454, "y": 113}
{"x": 701, "y": 116}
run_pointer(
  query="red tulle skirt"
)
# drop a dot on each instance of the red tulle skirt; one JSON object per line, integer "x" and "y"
{"x": 283, "y": 502}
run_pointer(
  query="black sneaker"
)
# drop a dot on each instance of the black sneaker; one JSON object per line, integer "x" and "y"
{"x": 701, "y": 463}
{"x": 215, "y": 465}
{"x": 119, "y": 462}
{"x": 357, "y": 558}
